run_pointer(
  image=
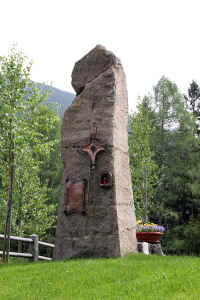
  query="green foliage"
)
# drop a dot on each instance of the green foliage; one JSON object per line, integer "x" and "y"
{"x": 174, "y": 147}
{"x": 144, "y": 171}
{"x": 26, "y": 122}
{"x": 191, "y": 236}
{"x": 193, "y": 100}
{"x": 131, "y": 277}
{"x": 183, "y": 239}
{"x": 62, "y": 98}
{"x": 51, "y": 173}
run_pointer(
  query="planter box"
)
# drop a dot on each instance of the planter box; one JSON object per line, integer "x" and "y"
{"x": 149, "y": 237}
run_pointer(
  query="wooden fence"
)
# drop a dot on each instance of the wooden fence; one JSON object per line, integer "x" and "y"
{"x": 34, "y": 242}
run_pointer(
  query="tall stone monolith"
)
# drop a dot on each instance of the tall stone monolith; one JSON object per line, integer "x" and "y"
{"x": 96, "y": 215}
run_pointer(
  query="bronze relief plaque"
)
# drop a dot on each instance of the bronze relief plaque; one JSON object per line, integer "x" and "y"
{"x": 75, "y": 198}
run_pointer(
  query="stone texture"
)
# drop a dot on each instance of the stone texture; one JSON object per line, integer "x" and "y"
{"x": 143, "y": 247}
{"x": 156, "y": 249}
{"x": 148, "y": 248}
{"x": 99, "y": 113}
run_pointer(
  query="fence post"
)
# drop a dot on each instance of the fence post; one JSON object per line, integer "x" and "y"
{"x": 35, "y": 249}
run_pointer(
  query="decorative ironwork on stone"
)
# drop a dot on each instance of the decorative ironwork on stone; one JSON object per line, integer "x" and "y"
{"x": 93, "y": 149}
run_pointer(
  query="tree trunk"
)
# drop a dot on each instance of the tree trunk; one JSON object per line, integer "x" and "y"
{"x": 6, "y": 242}
{"x": 145, "y": 196}
{"x": 19, "y": 217}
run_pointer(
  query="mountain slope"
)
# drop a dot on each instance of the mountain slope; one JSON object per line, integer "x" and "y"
{"x": 62, "y": 98}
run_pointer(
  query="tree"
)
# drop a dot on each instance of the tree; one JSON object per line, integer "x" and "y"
{"x": 145, "y": 172}
{"x": 168, "y": 106}
{"x": 174, "y": 144}
{"x": 193, "y": 98}
{"x": 24, "y": 128}
{"x": 193, "y": 102}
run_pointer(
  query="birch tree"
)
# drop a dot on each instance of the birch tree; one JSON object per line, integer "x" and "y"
{"x": 24, "y": 129}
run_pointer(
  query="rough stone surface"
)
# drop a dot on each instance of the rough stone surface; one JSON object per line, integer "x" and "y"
{"x": 148, "y": 248}
{"x": 97, "y": 116}
{"x": 156, "y": 249}
{"x": 143, "y": 247}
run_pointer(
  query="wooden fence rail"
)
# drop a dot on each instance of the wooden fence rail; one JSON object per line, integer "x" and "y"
{"x": 34, "y": 242}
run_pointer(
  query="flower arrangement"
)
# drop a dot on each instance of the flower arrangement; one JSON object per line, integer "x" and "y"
{"x": 149, "y": 227}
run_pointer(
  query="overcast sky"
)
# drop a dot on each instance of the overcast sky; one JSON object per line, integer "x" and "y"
{"x": 151, "y": 37}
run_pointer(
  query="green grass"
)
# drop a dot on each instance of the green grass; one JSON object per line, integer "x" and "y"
{"x": 132, "y": 277}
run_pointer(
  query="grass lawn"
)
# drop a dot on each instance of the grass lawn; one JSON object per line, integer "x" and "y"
{"x": 131, "y": 277}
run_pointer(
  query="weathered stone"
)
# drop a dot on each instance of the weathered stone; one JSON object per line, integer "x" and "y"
{"x": 95, "y": 143}
{"x": 156, "y": 249}
{"x": 143, "y": 247}
{"x": 149, "y": 248}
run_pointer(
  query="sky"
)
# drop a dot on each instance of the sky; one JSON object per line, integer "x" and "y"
{"x": 152, "y": 38}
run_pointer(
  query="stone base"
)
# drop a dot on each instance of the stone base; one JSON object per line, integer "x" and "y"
{"x": 147, "y": 248}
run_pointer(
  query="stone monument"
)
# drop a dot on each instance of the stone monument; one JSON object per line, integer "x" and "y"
{"x": 96, "y": 215}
